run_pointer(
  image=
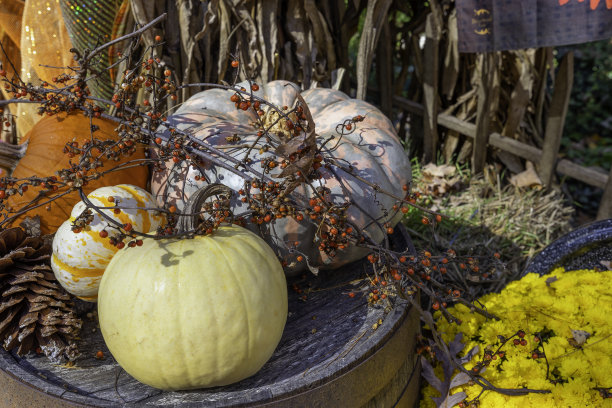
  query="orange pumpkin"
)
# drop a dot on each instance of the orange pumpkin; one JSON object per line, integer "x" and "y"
{"x": 44, "y": 156}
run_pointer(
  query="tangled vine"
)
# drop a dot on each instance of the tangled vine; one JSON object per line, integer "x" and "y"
{"x": 273, "y": 185}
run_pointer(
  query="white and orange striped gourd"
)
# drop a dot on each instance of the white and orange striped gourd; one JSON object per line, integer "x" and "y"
{"x": 79, "y": 259}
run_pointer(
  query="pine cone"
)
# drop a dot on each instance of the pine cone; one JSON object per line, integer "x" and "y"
{"x": 35, "y": 311}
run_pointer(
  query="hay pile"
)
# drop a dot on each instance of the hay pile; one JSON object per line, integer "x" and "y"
{"x": 484, "y": 217}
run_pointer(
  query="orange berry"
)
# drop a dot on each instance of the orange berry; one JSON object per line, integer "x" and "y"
{"x": 158, "y": 38}
{"x": 235, "y": 64}
{"x": 172, "y": 208}
{"x": 99, "y": 354}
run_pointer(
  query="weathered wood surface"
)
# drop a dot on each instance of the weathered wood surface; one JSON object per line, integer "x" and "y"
{"x": 486, "y": 106}
{"x": 565, "y": 167}
{"x": 329, "y": 344}
{"x": 433, "y": 34}
{"x": 605, "y": 207}
{"x": 556, "y": 118}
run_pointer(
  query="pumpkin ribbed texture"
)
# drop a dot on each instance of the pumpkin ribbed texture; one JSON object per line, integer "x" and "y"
{"x": 44, "y": 156}
{"x": 194, "y": 313}
{"x": 373, "y": 149}
{"x": 79, "y": 259}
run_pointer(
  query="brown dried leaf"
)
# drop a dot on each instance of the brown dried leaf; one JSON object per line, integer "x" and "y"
{"x": 551, "y": 280}
{"x": 579, "y": 337}
{"x": 443, "y": 170}
{"x": 304, "y": 145}
{"x": 31, "y": 226}
{"x": 528, "y": 178}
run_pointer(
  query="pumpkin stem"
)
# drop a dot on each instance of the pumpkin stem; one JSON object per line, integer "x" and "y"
{"x": 190, "y": 220}
{"x": 10, "y": 155}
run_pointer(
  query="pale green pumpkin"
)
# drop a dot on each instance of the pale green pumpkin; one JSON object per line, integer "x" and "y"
{"x": 192, "y": 313}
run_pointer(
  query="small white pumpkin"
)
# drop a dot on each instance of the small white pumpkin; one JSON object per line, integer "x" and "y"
{"x": 182, "y": 314}
{"x": 79, "y": 259}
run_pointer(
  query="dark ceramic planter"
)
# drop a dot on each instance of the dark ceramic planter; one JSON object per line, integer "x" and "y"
{"x": 583, "y": 248}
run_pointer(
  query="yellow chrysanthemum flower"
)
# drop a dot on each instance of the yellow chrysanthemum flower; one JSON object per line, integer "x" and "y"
{"x": 575, "y": 301}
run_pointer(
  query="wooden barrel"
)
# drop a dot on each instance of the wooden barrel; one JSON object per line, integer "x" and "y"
{"x": 336, "y": 351}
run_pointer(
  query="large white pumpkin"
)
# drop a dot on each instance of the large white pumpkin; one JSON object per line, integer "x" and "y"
{"x": 79, "y": 259}
{"x": 192, "y": 313}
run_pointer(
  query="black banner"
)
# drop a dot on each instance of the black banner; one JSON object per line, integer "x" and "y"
{"x": 495, "y": 25}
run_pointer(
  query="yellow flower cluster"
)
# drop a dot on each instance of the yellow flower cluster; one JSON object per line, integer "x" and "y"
{"x": 556, "y": 303}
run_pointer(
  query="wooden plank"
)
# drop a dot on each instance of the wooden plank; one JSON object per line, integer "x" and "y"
{"x": 585, "y": 174}
{"x": 410, "y": 106}
{"x": 521, "y": 94}
{"x": 605, "y": 206}
{"x": 556, "y": 118}
{"x": 384, "y": 70}
{"x": 565, "y": 167}
{"x": 483, "y": 117}
{"x": 515, "y": 147}
{"x": 454, "y": 123}
{"x": 376, "y": 16}
{"x": 430, "y": 88}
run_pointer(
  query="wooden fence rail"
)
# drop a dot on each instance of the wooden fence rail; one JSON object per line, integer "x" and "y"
{"x": 565, "y": 167}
